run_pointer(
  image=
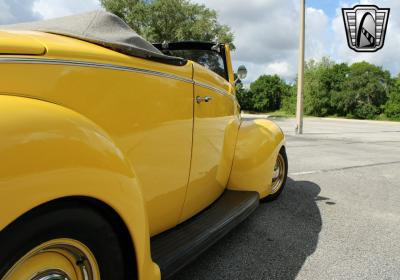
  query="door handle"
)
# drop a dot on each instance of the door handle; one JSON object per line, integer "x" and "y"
{"x": 200, "y": 99}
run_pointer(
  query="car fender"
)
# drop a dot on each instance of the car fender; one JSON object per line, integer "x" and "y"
{"x": 258, "y": 144}
{"x": 50, "y": 152}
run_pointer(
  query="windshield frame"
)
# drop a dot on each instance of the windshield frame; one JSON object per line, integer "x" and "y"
{"x": 197, "y": 45}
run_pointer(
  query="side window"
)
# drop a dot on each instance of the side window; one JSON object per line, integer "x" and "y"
{"x": 209, "y": 59}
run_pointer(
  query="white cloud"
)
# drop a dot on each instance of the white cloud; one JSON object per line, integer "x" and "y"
{"x": 266, "y": 31}
{"x": 57, "y": 8}
{"x": 5, "y": 13}
{"x": 317, "y": 34}
{"x": 266, "y": 34}
{"x": 279, "y": 68}
{"x": 13, "y": 11}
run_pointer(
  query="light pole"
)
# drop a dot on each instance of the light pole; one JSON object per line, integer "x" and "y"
{"x": 300, "y": 79}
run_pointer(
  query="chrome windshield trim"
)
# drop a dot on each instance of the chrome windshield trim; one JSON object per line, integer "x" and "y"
{"x": 92, "y": 64}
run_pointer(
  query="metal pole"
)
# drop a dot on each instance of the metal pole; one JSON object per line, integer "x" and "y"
{"x": 300, "y": 79}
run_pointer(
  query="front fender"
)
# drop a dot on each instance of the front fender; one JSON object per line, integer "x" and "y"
{"x": 49, "y": 152}
{"x": 257, "y": 148}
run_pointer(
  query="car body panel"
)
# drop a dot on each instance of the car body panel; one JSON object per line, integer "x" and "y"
{"x": 229, "y": 64}
{"x": 214, "y": 137}
{"x": 258, "y": 145}
{"x": 99, "y": 93}
{"x": 50, "y": 152}
{"x": 83, "y": 120}
{"x": 14, "y": 43}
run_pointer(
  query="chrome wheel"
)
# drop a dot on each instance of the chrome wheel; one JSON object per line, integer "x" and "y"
{"x": 278, "y": 175}
{"x": 52, "y": 275}
{"x": 58, "y": 259}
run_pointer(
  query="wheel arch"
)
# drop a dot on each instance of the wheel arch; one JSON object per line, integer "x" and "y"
{"x": 258, "y": 144}
{"x": 100, "y": 207}
{"x": 52, "y": 152}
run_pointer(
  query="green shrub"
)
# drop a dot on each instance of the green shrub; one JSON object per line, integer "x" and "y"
{"x": 289, "y": 101}
{"x": 366, "y": 111}
{"x": 392, "y": 107}
{"x": 267, "y": 92}
{"x": 244, "y": 97}
{"x": 361, "y": 90}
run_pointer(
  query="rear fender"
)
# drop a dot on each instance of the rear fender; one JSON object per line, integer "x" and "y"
{"x": 257, "y": 148}
{"x": 50, "y": 152}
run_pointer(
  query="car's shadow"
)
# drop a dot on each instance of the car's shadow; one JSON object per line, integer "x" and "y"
{"x": 273, "y": 243}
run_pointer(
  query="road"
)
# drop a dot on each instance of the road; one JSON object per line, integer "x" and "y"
{"x": 338, "y": 218}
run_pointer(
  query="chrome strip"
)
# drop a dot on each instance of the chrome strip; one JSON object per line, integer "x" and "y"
{"x": 92, "y": 64}
{"x": 109, "y": 66}
{"x": 217, "y": 90}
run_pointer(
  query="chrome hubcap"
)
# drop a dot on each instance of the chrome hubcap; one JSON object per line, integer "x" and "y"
{"x": 278, "y": 174}
{"x": 52, "y": 274}
{"x": 58, "y": 259}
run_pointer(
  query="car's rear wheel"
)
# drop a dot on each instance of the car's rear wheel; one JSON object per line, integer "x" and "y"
{"x": 57, "y": 259}
{"x": 67, "y": 243}
{"x": 279, "y": 176}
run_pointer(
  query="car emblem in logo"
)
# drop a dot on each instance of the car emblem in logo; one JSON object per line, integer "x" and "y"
{"x": 365, "y": 27}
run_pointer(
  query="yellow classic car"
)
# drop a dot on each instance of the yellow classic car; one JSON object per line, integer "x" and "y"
{"x": 122, "y": 159}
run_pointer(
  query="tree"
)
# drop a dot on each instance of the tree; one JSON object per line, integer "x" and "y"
{"x": 365, "y": 91}
{"x": 361, "y": 90}
{"x": 289, "y": 101}
{"x": 321, "y": 80}
{"x": 392, "y": 107}
{"x": 316, "y": 95}
{"x": 244, "y": 97}
{"x": 267, "y": 93}
{"x": 171, "y": 20}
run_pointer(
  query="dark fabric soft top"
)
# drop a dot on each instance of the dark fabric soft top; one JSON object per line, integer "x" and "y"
{"x": 101, "y": 28}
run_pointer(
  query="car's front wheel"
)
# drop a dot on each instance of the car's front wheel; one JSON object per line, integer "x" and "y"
{"x": 66, "y": 243}
{"x": 279, "y": 176}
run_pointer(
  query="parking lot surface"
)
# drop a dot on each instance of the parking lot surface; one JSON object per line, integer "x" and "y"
{"x": 338, "y": 218}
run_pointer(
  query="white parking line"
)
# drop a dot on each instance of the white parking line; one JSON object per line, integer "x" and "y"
{"x": 341, "y": 168}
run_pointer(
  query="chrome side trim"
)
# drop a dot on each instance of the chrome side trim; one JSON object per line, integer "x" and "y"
{"x": 217, "y": 90}
{"x": 28, "y": 60}
{"x": 92, "y": 64}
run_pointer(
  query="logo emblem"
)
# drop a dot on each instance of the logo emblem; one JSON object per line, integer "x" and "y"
{"x": 365, "y": 27}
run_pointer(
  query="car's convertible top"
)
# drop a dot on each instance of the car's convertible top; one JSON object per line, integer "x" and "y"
{"x": 102, "y": 28}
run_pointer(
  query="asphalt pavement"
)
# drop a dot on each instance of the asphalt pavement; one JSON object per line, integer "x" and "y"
{"x": 338, "y": 218}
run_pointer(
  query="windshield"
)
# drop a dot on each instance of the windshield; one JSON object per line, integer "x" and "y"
{"x": 209, "y": 59}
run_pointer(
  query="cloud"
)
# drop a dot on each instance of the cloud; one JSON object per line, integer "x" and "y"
{"x": 13, "y": 11}
{"x": 279, "y": 68}
{"x": 317, "y": 34}
{"x": 57, "y": 8}
{"x": 266, "y": 31}
{"x": 266, "y": 34}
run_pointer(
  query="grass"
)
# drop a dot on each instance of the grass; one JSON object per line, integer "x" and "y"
{"x": 278, "y": 114}
{"x": 281, "y": 114}
{"x": 284, "y": 114}
{"x": 381, "y": 117}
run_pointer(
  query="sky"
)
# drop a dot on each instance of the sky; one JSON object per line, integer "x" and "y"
{"x": 266, "y": 31}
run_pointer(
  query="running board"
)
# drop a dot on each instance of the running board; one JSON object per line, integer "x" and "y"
{"x": 177, "y": 247}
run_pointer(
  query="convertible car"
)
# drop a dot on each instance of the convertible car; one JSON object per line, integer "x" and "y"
{"x": 122, "y": 159}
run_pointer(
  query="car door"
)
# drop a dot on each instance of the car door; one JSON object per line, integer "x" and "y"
{"x": 216, "y": 123}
